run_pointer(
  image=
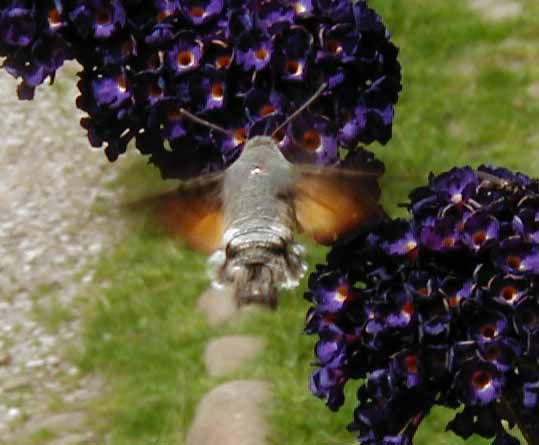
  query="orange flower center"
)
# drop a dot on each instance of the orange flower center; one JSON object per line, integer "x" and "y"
{"x": 408, "y": 308}
{"x": 197, "y": 11}
{"x": 266, "y": 109}
{"x": 448, "y": 242}
{"x": 481, "y": 379}
{"x": 488, "y": 331}
{"x": 479, "y": 237}
{"x": 185, "y": 58}
{"x": 311, "y": 140}
{"x": 261, "y": 54}
{"x": 341, "y": 294}
{"x": 174, "y": 114}
{"x": 513, "y": 261}
{"x": 222, "y": 61}
{"x": 217, "y": 91}
{"x": 410, "y": 245}
{"x": 103, "y": 17}
{"x": 410, "y": 362}
{"x": 509, "y": 293}
{"x": 121, "y": 81}
{"x": 453, "y": 301}
{"x": 334, "y": 46}
{"x": 54, "y": 18}
{"x": 163, "y": 15}
{"x": 299, "y": 7}
{"x": 240, "y": 136}
{"x": 293, "y": 67}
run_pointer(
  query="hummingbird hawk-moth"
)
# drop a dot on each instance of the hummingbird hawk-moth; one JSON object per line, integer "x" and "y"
{"x": 245, "y": 216}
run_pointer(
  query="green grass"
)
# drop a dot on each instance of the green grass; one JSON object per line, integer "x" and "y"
{"x": 465, "y": 101}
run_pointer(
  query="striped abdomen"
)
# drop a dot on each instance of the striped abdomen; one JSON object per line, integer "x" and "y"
{"x": 259, "y": 255}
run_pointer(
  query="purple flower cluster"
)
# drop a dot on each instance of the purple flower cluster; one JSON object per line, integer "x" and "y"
{"x": 243, "y": 65}
{"x": 440, "y": 309}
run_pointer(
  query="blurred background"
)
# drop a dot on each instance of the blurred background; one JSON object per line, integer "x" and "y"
{"x": 99, "y": 312}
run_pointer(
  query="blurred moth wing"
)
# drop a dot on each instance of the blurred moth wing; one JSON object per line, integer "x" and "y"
{"x": 329, "y": 204}
{"x": 192, "y": 213}
{"x": 332, "y": 203}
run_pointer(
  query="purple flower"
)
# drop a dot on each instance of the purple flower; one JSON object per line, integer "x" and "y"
{"x": 330, "y": 351}
{"x": 327, "y": 383}
{"x": 98, "y": 18}
{"x": 255, "y": 51}
{"x": 480, "y": 229}
{"x": 455, "y": 290}
{"x": 508, "y": 290}
{"x": 501, "y": 353}
{"x": 488, "y": 326}
{"x": 518, "y": 257}
{"x": 166, "y": 117}
{"x": 332, "y": 294}
{"x": 338, "y": 43}
{"x": 112, "y": 90}
{"x": 310, "y": 140}
{"x": 336, "y": 9}
{"x": 479, "y": 383}
{"x": 456, "y": 186}
{"x": 531, "y": 394}
{"x": 274, "y": 16}
{"x": 403, "y": 241}
{"x": 443, "y": 235}
{"x": 17, "y": 24}
{"x": 303, "y": 8}
{"x": 185, "y": 55}
{"x": 199, "y": 12}
{"x": 210, "y": 89}
{"x": 261, "y": 103}
{"x": 295, "y": 48}
{"x": 405, "y": 367}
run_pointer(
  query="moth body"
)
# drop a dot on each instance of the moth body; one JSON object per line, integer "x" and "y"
{"x": 258, "y": 254}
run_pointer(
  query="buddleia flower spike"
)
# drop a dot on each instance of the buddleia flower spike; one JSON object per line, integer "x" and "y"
{"x": 243, "y": 65}
{"x": 438, "y": 309}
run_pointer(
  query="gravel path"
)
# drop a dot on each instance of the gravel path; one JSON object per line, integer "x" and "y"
{"x": 50, "y": 179}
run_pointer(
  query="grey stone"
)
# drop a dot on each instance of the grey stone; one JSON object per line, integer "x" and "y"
{"x": 59, "y": 424}
{"x": 232, "y": 414}
{"x": 533, "y": 90}
{"x": 218, "y": 305}
{"x": 497, "y": 9}
{"x": 72, "y": 439}
{"x": 228, "y": 354}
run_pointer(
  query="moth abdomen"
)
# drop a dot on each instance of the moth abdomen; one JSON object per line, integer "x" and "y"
{"x": 257, "y": 263}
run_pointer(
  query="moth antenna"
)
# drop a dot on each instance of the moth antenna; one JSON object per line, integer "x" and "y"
{"x": 296, "y": 113}
{"x": 204, "y": 122}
